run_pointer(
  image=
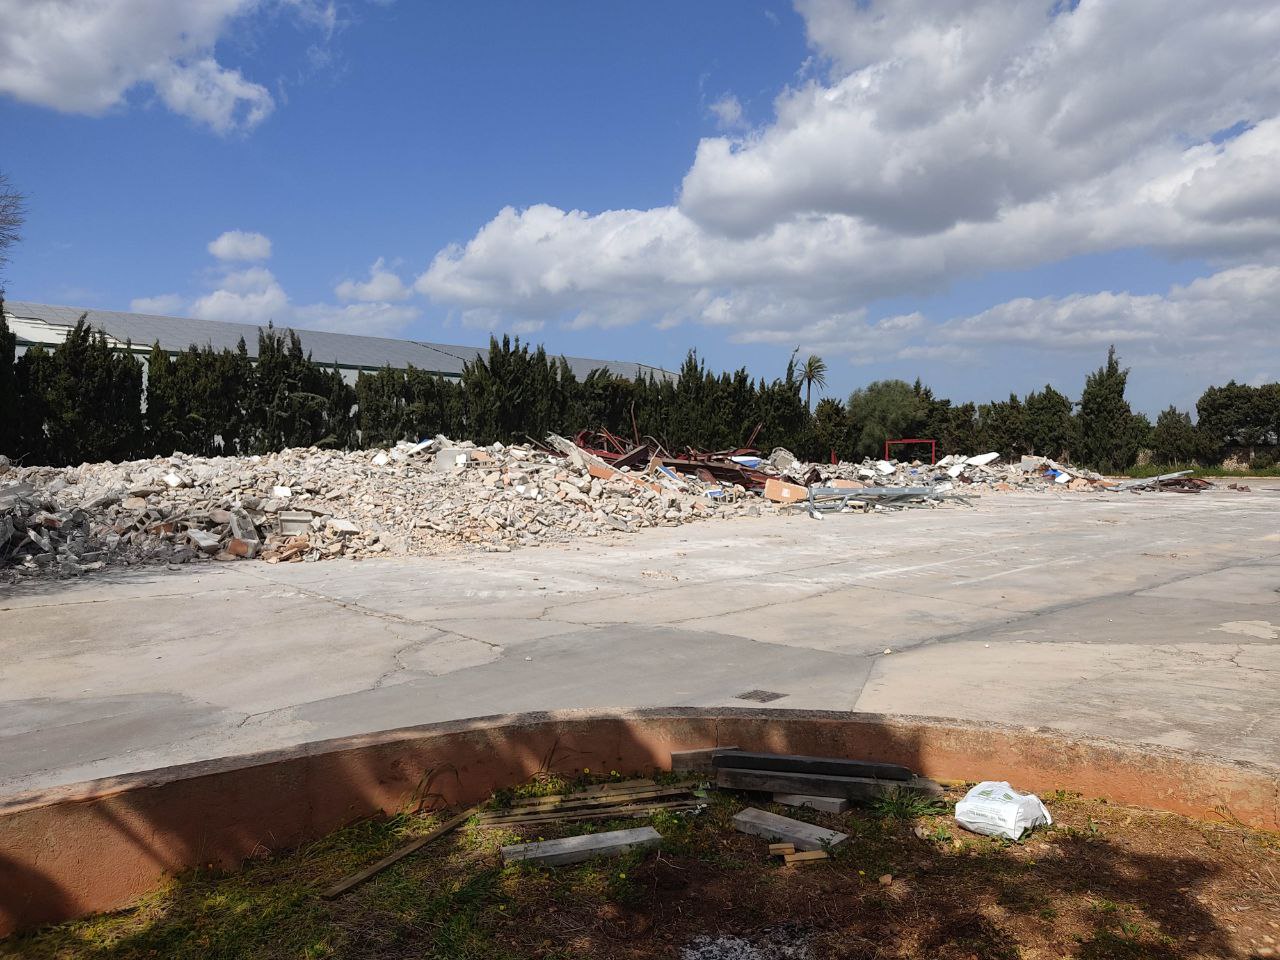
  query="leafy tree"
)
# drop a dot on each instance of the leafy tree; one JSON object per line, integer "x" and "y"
{"x": 1239, "y": 415}
{"x": 784, "y": 415}
{"x": 814, "y": 371}
{"x": 831, "y": 430}
{"x": 1001, "y": 427}
{"x": 885, "y": 410}
{"x": 1176, "y": 440}
{"x": 292, "y": 395}
{"x": 86, "y": 398}
{"x": 1049, "y": 427}
{"x": 164, "y": 404}
{"x": 1109, "y": 434}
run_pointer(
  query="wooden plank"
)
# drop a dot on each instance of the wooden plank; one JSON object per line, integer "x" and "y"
{"x": 855, "y": 789}
{"x": 602, "y": 789}
{"x": 552, "y": 853}
{"x": 805, "y": 856}
{"x": 633, "y": 813}
{"x": 825, "y": 804}
{"x": 593, "y": 813}
{"x": 694, "y": 761}
{"x": 828, "y": 766}
{"x": 342, "y": 886}
{"x": 804, "y": 836}
{"x": 572, "y": 802}
{"x": 781, "y": 849}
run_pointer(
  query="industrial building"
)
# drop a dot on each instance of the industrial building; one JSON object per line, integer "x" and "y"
{"x": 46, "y": 324}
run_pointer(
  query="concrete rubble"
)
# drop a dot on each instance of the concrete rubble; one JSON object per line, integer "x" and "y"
{"x": 422, "y": 498}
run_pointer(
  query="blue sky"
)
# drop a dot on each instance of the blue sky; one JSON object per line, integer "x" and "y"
{"x": 982, "y": 194}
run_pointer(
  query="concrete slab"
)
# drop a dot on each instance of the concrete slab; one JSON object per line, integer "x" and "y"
{"x": 1144, "y": 617}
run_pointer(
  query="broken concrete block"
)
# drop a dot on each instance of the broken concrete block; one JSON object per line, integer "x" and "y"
{"x": 552, "y": 853}
{"x": 282, "y": 493}
{"x": 293, "y": 522}
{"x": 805, "y": 836}
{"x": 825, "y": 804}
{"x": 175, "y": 479}
{"x": 338, "y": 525}
{"x": 451, "y": 458}
{"x": 242, "y": 526}
{"x": 205, "y": 542}
{"x": 381, "y": 459}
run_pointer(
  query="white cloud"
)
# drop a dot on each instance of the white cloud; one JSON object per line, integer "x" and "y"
{"x": 1232, "y": 306}
{"x": 949, "y": 139}
{"x": 728, "y": 112}
{"x": 253, "y": 294}
{"x": 161, "y": 305}
{"x": 204, "y": 91}
{"x": 382, "y": 284}
{"x": 86, "y": 56}
{"x": 240, "y": 245}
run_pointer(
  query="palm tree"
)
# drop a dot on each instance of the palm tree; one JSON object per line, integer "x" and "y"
{"x": 814, "y": 371}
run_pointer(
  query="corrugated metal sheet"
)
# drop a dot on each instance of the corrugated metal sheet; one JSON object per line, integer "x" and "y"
{"x": 347, "y": 350}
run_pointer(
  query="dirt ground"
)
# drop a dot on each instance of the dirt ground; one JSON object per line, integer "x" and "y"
{"x": 1103, "y": 882}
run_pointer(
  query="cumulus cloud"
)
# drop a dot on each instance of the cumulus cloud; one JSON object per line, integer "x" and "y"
{"x": 945, "y": 140}
{"x": 1231, "y": 306}
{"x": 728, "y": 112}
{"x": 240, "y": 245}
{"x": 86, "y": 56}
{"x": 383, "y": 284}
{"x": 252, "y": 294}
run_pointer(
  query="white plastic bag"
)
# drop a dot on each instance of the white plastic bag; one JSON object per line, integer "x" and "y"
{"x": 995, "y": 809}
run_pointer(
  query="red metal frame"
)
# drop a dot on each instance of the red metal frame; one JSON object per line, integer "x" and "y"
{"x": 933, "y": 447}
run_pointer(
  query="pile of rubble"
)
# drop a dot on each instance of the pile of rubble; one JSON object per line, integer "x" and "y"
{"x": 889, "y": 483}
{"x": 310, "y": 504}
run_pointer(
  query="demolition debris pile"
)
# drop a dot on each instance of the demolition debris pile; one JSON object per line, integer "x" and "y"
{"x": 311, "y": 504}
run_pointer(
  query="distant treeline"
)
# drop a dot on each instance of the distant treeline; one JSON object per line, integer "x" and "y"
{"x": 83, "y": 401}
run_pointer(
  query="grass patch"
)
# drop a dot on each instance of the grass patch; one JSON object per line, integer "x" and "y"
{"x": 1148, "y": 887}
{"x": 1155, "y": 470}
{"x": 906, "y": 805}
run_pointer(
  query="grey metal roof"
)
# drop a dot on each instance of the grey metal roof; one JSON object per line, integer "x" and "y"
{"x": 347, "y": 350}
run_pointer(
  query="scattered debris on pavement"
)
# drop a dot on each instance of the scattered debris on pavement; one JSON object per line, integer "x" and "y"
{"x": 420, "y": 498}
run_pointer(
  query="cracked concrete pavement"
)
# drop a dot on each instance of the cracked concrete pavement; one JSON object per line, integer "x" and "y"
{"x": 1151, "y": 618}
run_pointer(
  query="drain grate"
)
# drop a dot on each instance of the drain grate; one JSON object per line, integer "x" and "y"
{"x": 759, "y": 696}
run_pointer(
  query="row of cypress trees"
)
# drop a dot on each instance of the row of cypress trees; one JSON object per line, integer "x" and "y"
{"x": 85, "y": 401}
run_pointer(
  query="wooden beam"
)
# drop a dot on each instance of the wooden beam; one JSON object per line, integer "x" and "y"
{"x": 626, "y": 810}
{"x": 342, "y": 886}
{"x": 855, "y": 789}
{"x": 551, "y": 853}
{"x": 776, "y": 829}
{"x": 828, "y": 766}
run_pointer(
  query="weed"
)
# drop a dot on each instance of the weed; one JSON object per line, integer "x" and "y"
{"x": 902, "y": 804}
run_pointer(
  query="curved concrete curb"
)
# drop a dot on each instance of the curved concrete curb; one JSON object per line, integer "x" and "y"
{"x": 102, "y": 844}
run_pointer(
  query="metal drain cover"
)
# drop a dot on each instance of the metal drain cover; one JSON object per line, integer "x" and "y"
{"x": 759, "y": 696}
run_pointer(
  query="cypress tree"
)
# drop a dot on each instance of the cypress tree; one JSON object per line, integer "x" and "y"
{"x": 1050, "y": 429}
{"x": 1109, "y": 433}
{"x": 10, "y": 408}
